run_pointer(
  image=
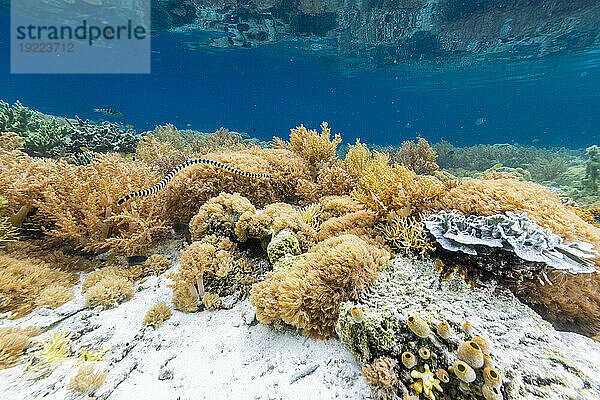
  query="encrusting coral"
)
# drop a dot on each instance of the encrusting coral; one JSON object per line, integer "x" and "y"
{"x": 157, "y": 314}
{"x": 13, "y": 343}
{"x": 308, "y": 295}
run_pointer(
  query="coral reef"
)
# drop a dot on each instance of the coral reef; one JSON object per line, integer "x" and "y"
{"x": 23, "y": 281}
{"x": 166, "y": 147}
{"x": 103, "y": 138}
{"x": 308, "y": 295}
{"x": 87, "y": 379}
{"x": 157, "y": 314}
{"x": 419, "y": 157}
{"x": 524, "y": 349}
{"x": 545, "y": 170}
{"x": 592, "y": 169}
{"x": 406, "y": 234}
{"x": 383, "y": 188}
{"x": 13, "y": 343}
{"x": 510, "y": 232}
{"x": 497, "y": 196}
{"x": 107, "y": 287}
{"x": 81, "y": 205}
{"x": 197, "y": 184}
{"x": 318, "y": 149}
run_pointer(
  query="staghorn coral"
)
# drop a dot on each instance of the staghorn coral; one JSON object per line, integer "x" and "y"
{"x": 80, "y": 204}
{"x": 490, "y": 197}
{"x": 406, "y": 234}
{"x": 23, "y": 280}
{"x": 197, "y": 184}
{"x": 157, "y": 314}
{"x": 87, "y": 379}
{"x": 419, "y": 157}
{"x": 308, "y": 295}
{"x": 318, "y": 149}
{"x": 13, "y": 343}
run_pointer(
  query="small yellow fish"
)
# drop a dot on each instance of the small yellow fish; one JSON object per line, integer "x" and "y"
{"x": 129, "y": 126}
{"x": 189, "y": 124}
{"x": 84, "y": 149}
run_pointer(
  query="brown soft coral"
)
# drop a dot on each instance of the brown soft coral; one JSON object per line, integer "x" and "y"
{"x": 13, "y": 343}
{"x": 107, "y": 287}
{"x": 489, "y": 197}
{"x": 10, "y": 141}
{"x": 316, "y": 148}
{"x": 81, "y": 204}
{"x": 22, "y": 281}
{"x": 381, "y": 373}
{"x": 331, "y": 181}
{"x": 157, "y": 314}
{"x": 167, "y": 147}
{"x": 384, "y": 188}
{"x": 196, "y": 184}
{"x": 419, "y": 157}
{"x": 308, "y": 294}
{"x": 23, "y": 181}
{"x": 211, "y": 254}
{"x": 87, "y": 379}
{"x": 571, "y": 302}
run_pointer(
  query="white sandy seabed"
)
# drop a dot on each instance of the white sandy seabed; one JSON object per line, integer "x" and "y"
{"x": 223, "y": 354}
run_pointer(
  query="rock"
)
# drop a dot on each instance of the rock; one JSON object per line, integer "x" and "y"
{"x": 533, "y": 359}
{"x": 285, "y": 242}
{"x": 165, "y": 374}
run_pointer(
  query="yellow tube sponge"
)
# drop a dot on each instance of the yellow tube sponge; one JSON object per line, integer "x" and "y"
{"x": 425, "y": 382}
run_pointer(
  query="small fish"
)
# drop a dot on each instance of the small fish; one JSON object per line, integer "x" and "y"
{"x": 84, "y": 149}
{"x": 136, "y": 260}
{"x": 108, "y": 111}
{"x": 188, "y": 124}
{"x": 479, "y": 121}
{"x": 407, "y": 126}
{"x": 129, "y": 126}
{"x": 536, "y": 140}
{"x": 451, "y": 152}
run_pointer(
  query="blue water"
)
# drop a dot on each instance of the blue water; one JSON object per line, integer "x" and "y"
{"x": 266, "y": 91}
